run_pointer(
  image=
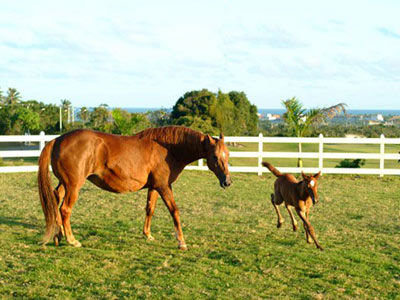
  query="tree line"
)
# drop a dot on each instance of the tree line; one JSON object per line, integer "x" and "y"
{"x": 212, "y": 113}
{"x": 209, "y": 112}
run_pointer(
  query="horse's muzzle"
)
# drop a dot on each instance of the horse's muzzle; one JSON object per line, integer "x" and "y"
{"x": 311, "y": 193}
{"x": 225, "y": 182}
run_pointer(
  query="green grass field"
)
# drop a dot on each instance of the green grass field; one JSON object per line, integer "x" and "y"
{"x": 328, "y": 163}
{"x": 235, "y": 249}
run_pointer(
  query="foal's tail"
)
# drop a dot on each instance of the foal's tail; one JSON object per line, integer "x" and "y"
{"x": 47, "y": 197}
{"x": 272, "y": 169}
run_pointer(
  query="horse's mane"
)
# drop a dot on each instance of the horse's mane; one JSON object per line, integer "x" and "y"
{"x": 185, "y": 143}
{"x": 173, "y": 135}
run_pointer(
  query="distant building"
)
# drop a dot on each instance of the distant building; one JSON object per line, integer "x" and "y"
{"x": 393, "y": 120}
{"x": 273, "y": 117}
{"x": 372, "y": 122}
{"x": 378, "y": 118}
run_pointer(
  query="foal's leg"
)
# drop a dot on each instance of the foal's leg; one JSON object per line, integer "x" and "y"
{"x": 308, "y": 227}
{"x": 59, "y": 192}
{"x": 280, "y": 219}
{"x": 152, "y": 196}
{"x": 294, "y": 222}
{"x": 308, "y": 237}
{"x": 168, "y": 198}
{"x": 70, "y": 198}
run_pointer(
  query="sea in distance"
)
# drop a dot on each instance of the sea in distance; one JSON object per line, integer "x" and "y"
{"x": 264, "y": 111}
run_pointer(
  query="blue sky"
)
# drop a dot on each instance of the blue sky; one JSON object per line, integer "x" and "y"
{"x": 148, "y": 53}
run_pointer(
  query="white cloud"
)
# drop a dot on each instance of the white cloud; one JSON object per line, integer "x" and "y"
{"x": 152, "y": 53}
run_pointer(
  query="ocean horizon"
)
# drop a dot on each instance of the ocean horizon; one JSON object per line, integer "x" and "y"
{"x": 280, "y": 111}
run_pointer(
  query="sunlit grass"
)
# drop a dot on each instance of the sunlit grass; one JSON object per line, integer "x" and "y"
{"x": 235, "y": 249}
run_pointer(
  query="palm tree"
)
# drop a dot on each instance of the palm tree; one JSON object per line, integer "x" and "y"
{"x": 13, "y": 96}
{"x": 300, "y": 120}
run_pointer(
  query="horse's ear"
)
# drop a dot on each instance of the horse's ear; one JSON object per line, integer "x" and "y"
{"x": 304, "y": 175}
{"x": 318, "y": 175}
{"x": 221, "y": 136}
{"x": 209, "y": 140}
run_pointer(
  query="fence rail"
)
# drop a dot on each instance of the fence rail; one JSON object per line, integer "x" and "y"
{"x": 260, "y": 154}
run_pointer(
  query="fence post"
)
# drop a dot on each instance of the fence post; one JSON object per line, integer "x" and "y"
{"x": 200, "y": 162}
{"x": 41, "y": 143}
{"x": 382, "y": 159}
{"x": 260, "y": 150}
{"x": 320, "y": 152}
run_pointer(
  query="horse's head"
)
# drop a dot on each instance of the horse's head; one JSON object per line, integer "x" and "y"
{"x": 217, "y": 155}
{"x": 311, "y": 183}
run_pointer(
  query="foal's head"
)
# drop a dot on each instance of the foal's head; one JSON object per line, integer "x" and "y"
{"x": 217, "y": 155}
{"x": 311, "y": 184}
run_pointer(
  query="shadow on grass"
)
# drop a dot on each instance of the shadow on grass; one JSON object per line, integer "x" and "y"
{"x": 17, "y": 222}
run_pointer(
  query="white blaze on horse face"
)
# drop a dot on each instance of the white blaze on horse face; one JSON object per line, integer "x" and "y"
{"x": 223, "y": 155}
{"x": 312, "y": 183}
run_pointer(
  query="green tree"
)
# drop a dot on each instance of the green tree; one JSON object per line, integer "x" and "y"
{"x": 100, "y": 118}
{"x": 300, "y": 121}
{"x": 84, "y": 115}
{"x": 224, "y": 112}
{"x": 13, "y": 97}
{"x": 246, "y": 118}
{"x": 159, "y": 117}
{"x": 230, "y": 113}
{"x": 27, "y": 119}
{"x": 65, "y": 111}
{"x": 2, "y": 99}
{"x": 123, "y": 122}
{"x": 194, "y": 103}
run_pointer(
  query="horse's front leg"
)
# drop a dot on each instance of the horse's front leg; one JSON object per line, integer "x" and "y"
{"x": 152, "y": 196}
{"x": 168, "y": 198}
{"x": 308, "y": 227}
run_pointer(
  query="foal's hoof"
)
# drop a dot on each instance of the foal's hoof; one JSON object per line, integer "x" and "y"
{"x": 182, "y": 247}
{"x": 295, "y": 228}
{"x": 279, "y": 225}
{"x": 149, "y": 237}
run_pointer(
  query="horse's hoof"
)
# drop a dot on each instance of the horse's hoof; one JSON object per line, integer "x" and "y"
{"x": 279, "y": 225}
{"x": 56, "y": 241}
{"x": 182, "y": 247}
{"x": 295, "y": 228}
{"x": 76, "y": 244}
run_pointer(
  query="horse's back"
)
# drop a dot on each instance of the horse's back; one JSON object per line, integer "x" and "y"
{"x": 284, "y": 186}
{"x": 112, "y": 162}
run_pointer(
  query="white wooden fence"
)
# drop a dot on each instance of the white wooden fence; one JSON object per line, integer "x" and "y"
{"x": 260, "y": 154}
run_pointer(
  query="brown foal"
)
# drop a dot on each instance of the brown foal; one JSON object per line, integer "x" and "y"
{"x": 300, "y": 195}
{"x": 151, "y": 159}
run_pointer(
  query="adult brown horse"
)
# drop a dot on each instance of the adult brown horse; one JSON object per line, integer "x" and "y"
{"x": 151, "y": 159}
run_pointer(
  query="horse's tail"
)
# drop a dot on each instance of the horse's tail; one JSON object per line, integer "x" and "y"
{"x": 272, "y": 169}
{"x": 47, "y": 197}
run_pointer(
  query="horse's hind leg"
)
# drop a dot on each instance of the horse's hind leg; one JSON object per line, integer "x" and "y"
{"x": 71, "y": 195}
{"x": 280, "y": 219}
{"x": 59, "y": 192}
{"x": 294, "y": 222}
{"x": 150, "y": 207}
